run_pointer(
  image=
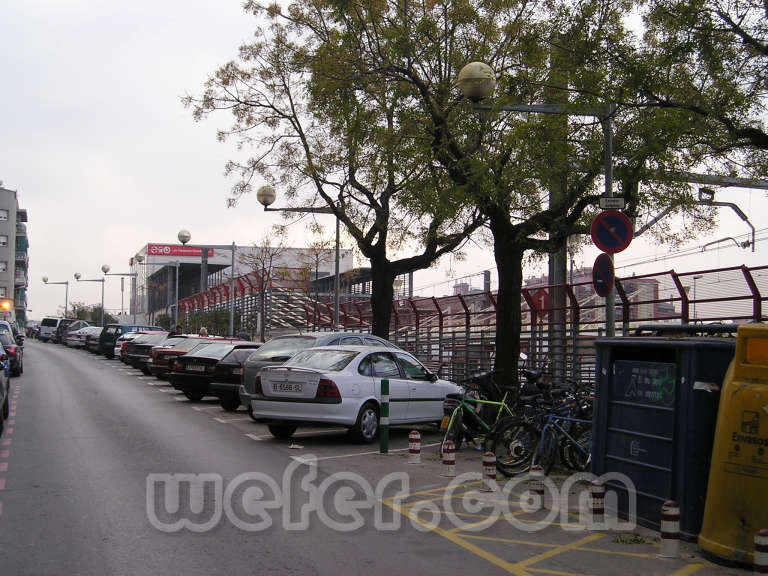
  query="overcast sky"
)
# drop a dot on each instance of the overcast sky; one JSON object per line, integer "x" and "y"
{"x": 105, "y": 158}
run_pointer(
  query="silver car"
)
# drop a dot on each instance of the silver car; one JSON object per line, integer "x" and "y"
{"x": 283, "y": 348}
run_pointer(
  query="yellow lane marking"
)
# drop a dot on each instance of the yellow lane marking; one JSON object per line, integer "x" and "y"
{"x": 487, "y": 519}
{"x": 555, "y": 572}
{"x": 559, "y": 550}
{"x": 510, "y": 541}
{"x": 690, "y": 569}
{"x": 485, "y": 555}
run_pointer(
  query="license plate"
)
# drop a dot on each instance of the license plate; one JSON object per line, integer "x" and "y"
{"x": 288, "y": 387}
{"x": 195, "y": 368}
{"x": 444, "y": 423}
{"x": 237, "y": 371}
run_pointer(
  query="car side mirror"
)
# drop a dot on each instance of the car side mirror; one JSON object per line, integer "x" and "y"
{"x": 433, "y": 377}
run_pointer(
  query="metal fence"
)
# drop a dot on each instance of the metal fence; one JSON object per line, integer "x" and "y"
{"x": 456, "y": 334}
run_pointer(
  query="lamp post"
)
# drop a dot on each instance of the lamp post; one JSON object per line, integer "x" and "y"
{"x": 130, "y": 275}
{"x": 477, "y": 80}
{"x": 266, "y": 197}
{"x": 184, "y": 237}
{"x": 697, "y": 277}
{"x": 104, "y": 269}
{"x": 66, "y": 292}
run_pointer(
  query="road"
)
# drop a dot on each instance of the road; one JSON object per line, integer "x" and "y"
{"x": 86, "y": 435}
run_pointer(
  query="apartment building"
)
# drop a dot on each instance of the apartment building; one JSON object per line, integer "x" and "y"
{"x": 14, "y": 260}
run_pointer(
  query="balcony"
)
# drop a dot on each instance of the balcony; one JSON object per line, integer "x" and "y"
{"x": 22, "y": 256}
{"x": 20, "y": 278}
{"x": 21, "y": 215}
{"x": 21, "y": 229}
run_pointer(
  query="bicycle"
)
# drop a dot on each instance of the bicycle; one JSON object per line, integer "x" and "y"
{"x": 556, "y": 440}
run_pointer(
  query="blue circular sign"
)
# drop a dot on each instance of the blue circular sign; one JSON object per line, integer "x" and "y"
{"x": 603, "y": 275}
{"x": 611, "y": 231}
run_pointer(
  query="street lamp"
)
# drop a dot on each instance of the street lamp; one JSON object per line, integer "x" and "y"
{"x": 130, "y": 275}
{"x": 266, "y": 197}
{"x": 697, "y": 277}
{"x": 477, "y": 80}
{"x": 66, "y": 292}
{"x": 104, "y": 269}
{"x": 184, "y": 237}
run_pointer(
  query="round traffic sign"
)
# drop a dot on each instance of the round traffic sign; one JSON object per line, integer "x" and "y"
{"x": 611, "y": 231}
{"x": 602, "y": 275}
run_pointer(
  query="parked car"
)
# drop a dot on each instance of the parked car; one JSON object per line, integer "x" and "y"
{"x": 282, "y": 348}
{"x": 13, "y": 328}
{"x": 213, "y": 370}
{"x": 112, "y": 332}
{"x": 14, "y": 353}
{"x": 92, "y": 334}
{"x": 341, "y": 385}
{"x": 66, "y": 326}
{"x": 164, "y": 355}
{"x": 138, "y": 351}
{"x": 121, "y": 344}
{"x": 5, "y": 389}
{"x": 48, "y": 328}
{"x": 76, "y": 338}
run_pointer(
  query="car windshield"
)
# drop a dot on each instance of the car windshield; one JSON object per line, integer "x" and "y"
{"x": 149, "y": 338}
{"x": 282, "y": 348}
{"x": 217, "y": 351}
{"x": 172, "y": 341}
{"x": 5, "y": 339}
{"x": 189, "y": 343}
{"x": 331, "y": 360}
{"x": 49, "y": 322}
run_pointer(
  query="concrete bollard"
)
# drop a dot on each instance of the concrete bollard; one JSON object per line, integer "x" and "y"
{"x": 670, "y": 530}
{"x": 489, "y": 472}
{"x": 536, "y": 485}
{"x": 449, "y": 459}
{"x": 761, "y": 552}
{"x": 596, "y": 505}
{"x": 414, "y": 447}
{"x": 384, "y": 418}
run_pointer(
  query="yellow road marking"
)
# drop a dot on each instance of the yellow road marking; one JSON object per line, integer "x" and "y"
{"x": 690, "y": 569}
{"x": 559, "y": 550}
{"x": 485, "y": 555}
{"x": 555, "y": 572}
{"x": 485, "y": 521}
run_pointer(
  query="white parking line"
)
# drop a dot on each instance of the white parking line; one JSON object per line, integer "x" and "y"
{"x": 180, "y": 398}
{"x": 310, "y": 461}
{"x": 145, "y": 377}
{"x": 299, "y": 434}
{"x": 156, "y": 384}
{"x": 226, "y": 421}
{"x": 204, "y": 408}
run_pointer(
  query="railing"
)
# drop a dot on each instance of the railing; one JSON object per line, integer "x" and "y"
{"x": 560, "y": 322}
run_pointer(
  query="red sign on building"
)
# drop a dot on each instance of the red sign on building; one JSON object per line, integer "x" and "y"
{"x": 176, "y": 250}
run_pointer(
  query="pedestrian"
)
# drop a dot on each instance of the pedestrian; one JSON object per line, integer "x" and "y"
{"x": 243, "y": 335}
{"x": 176, "y": 331}
{"x": 203, "y": 331}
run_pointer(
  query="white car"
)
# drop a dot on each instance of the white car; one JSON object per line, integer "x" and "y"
{"x": 341, "y": 385}
{"x": 76, "y": 338}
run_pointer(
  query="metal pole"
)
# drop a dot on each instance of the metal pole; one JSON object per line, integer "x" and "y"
{"x": 232, "y": 295}
{"x": 610, "y": 299}
{"x": 122, "y": 296}
{"x": 203, "y": 269}
{"x": 66, "y": 297}
{"x": 103, "y": 281}
{"x": 135, "y": 280}
{"x": 336, "y": 282}
{"x": 176, "y": 293}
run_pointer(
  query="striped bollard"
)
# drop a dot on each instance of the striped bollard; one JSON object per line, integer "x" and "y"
{"x": 414, "y": 447}
{"x": 449, "y": 459}
{"x": 384, "y": 418}
{"x": 761, "y": 552}
{"x": 489, "y": 472}
{"x": 536, "y": 486}
{"x": 596, "y": 505}
{"x": 670, "y": 530}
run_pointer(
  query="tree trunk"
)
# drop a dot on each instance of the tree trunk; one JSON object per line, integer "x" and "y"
{"x": 382, "y": 292}
{"x": 509, "y": 264}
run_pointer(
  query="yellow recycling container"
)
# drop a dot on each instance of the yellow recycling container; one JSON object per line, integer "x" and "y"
{"x": 737, "y": 494}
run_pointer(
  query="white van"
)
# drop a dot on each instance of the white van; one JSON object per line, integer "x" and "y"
{"x": 48, "y": 328}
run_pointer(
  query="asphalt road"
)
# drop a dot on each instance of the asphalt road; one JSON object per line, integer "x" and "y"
{"x": 87, "y": 434}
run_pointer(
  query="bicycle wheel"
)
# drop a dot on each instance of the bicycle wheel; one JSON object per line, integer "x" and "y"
{"x": 546, "y": 452}
{"x": 514, "y": 443}
{"x": 454, "y": 432}
{"x": 577, "y": 456}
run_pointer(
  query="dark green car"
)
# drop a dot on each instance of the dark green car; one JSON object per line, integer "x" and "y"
{"x": 112, "y": 332}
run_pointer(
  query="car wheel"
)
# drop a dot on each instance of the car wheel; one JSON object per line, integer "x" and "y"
{"x": 282, "y": 431}
{"x": 145, "y": 371}
{"x": 366, "y": 429}
{"x": 194, "y": 396}
{"x": 250, "y": 412}
{"x": 230, "y": 402}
